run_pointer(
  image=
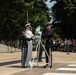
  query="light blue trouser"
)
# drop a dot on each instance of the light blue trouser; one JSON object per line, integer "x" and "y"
{"x": 24, "y": 56}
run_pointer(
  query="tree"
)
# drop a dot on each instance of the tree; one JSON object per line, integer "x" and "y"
{"x": 14, "y": 14}
{"x": 64, "y": 14}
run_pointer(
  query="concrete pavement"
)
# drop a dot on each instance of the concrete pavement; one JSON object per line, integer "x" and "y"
{"x": 10, "y": 64}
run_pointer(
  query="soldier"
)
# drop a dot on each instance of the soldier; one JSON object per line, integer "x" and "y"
{"x": 29, "y": 34}
{"x": 25, "y": 47}
{"x": 49, "y": 42}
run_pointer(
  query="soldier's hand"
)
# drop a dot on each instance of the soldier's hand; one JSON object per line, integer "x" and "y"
{"x": 33, "y": 37}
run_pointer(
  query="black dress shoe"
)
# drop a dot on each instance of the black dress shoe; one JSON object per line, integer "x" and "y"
{"x": 23, "y": 67}
{"x": 47, "y": 66}
{"x": 50, "y": 66}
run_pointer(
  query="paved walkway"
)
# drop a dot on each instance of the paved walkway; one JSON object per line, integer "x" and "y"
{"x": 63, "y": 64}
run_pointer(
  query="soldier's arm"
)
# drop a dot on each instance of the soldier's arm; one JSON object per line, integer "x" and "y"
{"x": 26, "y": 38}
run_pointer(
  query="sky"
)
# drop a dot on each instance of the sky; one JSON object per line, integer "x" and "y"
{"x": 50, "y": 4}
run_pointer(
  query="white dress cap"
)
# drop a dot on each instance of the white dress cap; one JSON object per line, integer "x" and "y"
{"x": 28, "y": 24}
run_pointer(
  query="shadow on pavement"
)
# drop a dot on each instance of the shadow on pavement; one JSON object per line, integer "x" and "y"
{"x": 15, "y": 66}
{"x": 10, "y": 62}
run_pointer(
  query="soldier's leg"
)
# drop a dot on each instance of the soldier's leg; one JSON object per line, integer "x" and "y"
{"x": 24, "y": 56}
{"x": 40, "y": 53}
{"x": 47, "y": 58}
{"x": 29, "y": 56}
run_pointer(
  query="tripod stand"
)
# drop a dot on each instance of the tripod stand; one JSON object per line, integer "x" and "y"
{"x": 38, "y": 48}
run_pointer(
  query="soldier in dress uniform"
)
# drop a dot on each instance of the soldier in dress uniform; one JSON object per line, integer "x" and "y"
{"x": 24, "y": 47}
{"x": 47, "y": 35}
{"x": 29, "y": 34}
